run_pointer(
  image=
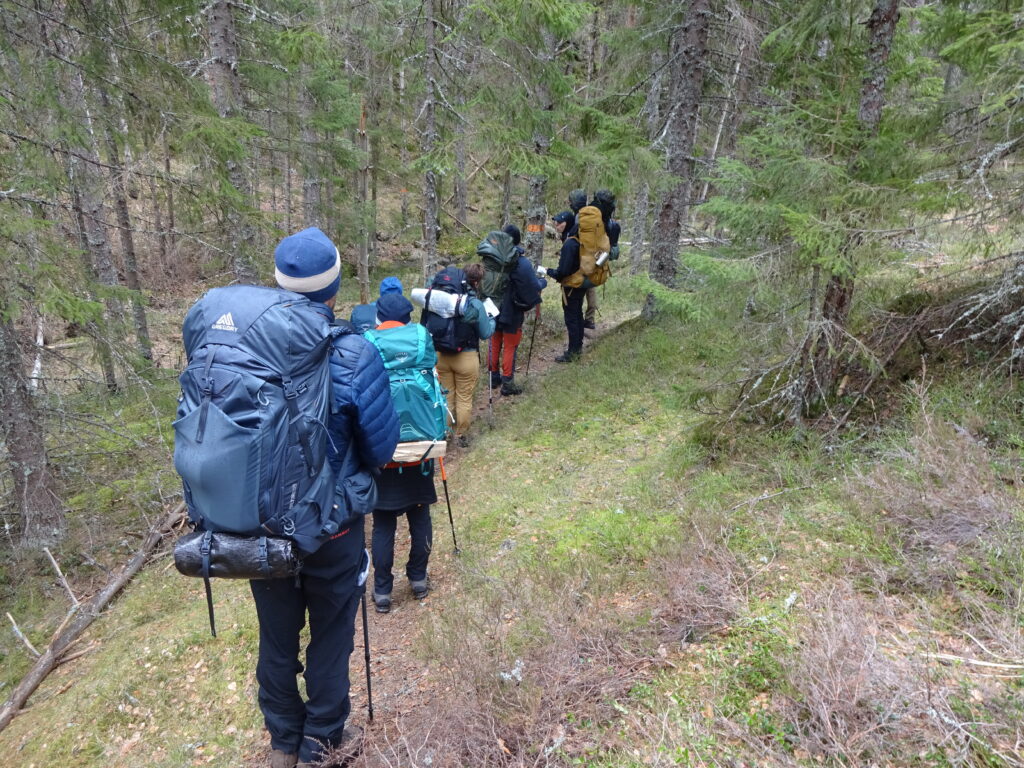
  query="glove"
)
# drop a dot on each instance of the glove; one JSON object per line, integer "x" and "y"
{"x": 551, "y": 274}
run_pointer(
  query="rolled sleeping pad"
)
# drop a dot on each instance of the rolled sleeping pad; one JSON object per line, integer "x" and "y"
{"x": 226, "y": 556}
{"x": 441, "y": 302}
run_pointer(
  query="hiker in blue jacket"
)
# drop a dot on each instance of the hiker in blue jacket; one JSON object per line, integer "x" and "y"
{"x": 521, "y": 295}
{"x": 364, "y": 316}
{"x": 363, "y": 429}
{"x": 401, "y": 490}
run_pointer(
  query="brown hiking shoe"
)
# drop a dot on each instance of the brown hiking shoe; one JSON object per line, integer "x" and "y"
{"x": 279, "y": 759}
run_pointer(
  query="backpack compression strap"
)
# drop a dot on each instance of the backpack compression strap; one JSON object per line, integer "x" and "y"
{"x": 291, "y": 395}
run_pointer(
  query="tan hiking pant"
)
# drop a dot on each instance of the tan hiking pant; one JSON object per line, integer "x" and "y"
{"x": 458, "y": 372}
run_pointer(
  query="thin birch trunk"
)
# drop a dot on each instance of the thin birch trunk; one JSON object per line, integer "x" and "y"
{"x": 363, "y": 262}
{"x": 431, "y": 196}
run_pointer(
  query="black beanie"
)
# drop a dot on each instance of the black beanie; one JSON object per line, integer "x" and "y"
{"x": 513, "y": 231}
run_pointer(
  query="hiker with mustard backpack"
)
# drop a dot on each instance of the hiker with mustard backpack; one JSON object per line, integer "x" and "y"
{"x": 582, "y": 264}
{"x": 520, "y": 293}
{"x": 405, "y": 489}
{"x": 457, "y": 324}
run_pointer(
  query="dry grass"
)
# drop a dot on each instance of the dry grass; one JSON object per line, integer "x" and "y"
{"x": 939, "y": 499}
{"x": 531, "y": 670}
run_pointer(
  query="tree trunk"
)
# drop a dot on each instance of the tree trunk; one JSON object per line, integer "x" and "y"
{"x": 729, "y": 105}
{"x": 363, "y": 265}
{"x": 536, "y": 208}
{"x": 90, "y": 190}
{"x": 42, "y": 514}
{"x": 312, "y": 183}
{"x": 403, "y": 151}
{"x": 226, "y": 88}
{"x": 688, "y": 50}
{"x": 431, "y": 197}
{"x": 460, "y": 182}
{"x": 506, "y": 198}
{"x": 641, "y": 212}
{"x": 124, "y": 223}
{"x": 103, "y": 351}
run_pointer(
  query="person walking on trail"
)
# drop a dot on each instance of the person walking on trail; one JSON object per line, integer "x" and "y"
{"x": 401, "y": 490}
{"x": 521, "y": 295}
{"x": 364, "y": 430}
{"x": 577, "y": 199}
{"x": 458, "y": 361}
{"x": 364, "y": 316}
{"x": 572, "y": 298}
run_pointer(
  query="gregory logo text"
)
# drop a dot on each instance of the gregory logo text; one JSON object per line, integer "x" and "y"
{"x": 225, "y": 323}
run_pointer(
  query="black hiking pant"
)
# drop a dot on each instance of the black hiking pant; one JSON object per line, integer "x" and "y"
{"x": 572, "y": 311}
{"x": 328, "y": 590}
{"x": 421, "y": 534}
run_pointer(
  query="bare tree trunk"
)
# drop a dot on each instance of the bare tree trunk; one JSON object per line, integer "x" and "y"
{"x": 403, "y": 151}
{"x": 90, "y": 189}
{"x": 460, "y": 181}
{"x": 688, "y": 50}
{"x": 42, "y": 514}
{"x": 128, "y": 258}
{"x": 431, "y": 198}
{"x": 506, "y": 198}
{"x": 226, "y": 87}
{"x": 641, "y": 213}
{"x": 103, "y": 351}
{"x": 312, "y": 183}
{"x": 363, "y": 265}
{"x": 536, "y": 209}
{"x": 729, "y": 106}
{"x": 169, "y": 186}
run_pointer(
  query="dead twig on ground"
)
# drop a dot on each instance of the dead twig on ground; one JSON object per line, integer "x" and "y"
{"x": 85, "y": 614}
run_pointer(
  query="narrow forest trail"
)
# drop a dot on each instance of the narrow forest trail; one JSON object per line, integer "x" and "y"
{"x": 401, "y": 677}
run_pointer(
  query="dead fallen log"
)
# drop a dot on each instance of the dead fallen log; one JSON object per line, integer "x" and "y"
{"x": 83, "y": 615}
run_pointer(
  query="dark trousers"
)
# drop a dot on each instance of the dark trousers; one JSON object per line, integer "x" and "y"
{"x": 572, "y": 311}
{"x": 421, "y": 532}
{"x": 329, "y": 592}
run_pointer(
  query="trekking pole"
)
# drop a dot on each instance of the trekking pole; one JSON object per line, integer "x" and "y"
{"x": 533, "y": 335}
{"x": 490, "y": 388}
{"x": 366, "y": 655}
{"x": 447, "y": 498}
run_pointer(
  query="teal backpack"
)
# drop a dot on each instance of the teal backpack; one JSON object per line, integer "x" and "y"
{"x": 409, "y": 357}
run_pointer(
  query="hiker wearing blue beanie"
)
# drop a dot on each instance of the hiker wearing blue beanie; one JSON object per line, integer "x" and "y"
{"x": 364, "y": 316}
{"x": 363, "y": 429}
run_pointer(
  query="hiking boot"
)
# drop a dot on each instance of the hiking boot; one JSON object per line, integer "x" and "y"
{"x": 495, "y": 379}
{"x": 382, "y": 602}
{"x": 589, "y": 325}
{"x": 343, "y": 752}
{"x": 279, "y": 759}
{"x": 509, "y": 386}
{"x": 568, "y": 357}
{"x": 420, "y": 589}
{"x": 463, "y": 441}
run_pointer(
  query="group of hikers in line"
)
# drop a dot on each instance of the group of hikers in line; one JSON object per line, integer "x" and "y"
{"x": 363, "y": 432}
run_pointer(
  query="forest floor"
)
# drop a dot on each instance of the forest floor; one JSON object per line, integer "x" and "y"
{"x": 402, "y": 679}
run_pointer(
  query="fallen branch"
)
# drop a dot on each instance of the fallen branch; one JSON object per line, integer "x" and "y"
{"x": 86, "y": 614}
{"x": 21, "y": 636}
{"x": 60, "y": 576}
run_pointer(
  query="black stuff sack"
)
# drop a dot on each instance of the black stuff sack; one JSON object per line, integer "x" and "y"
{"x": 206, "y": 554}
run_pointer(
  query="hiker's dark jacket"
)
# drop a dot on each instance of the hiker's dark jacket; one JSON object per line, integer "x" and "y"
{"x": 361, "y": 409}
{"x": 568, "y": 257}
{"x": 521, "y": 295}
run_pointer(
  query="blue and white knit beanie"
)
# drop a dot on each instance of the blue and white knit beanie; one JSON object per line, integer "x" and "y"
{"x": 308, "y": 263}
{"x": 390, "y": 285}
